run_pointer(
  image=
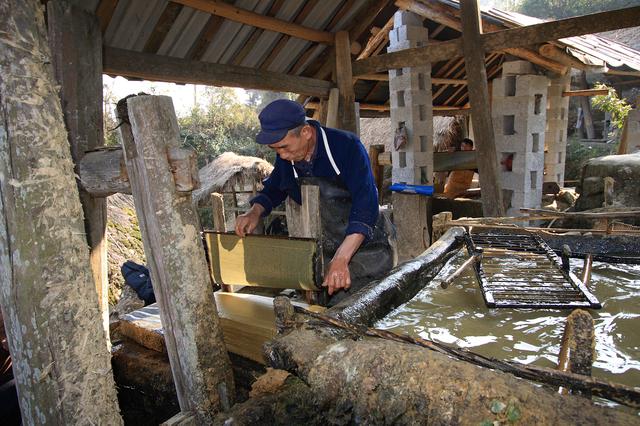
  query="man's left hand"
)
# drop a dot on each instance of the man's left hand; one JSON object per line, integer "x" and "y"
{"x": 338, "y": 276}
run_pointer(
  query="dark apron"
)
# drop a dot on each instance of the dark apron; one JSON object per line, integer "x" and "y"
{"x": 374, "y": 259}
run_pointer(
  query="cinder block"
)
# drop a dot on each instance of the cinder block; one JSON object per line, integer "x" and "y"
{"x": 402, "y": 17}
{"x": 527, "y": 85}
{"x": 517, "y": 68}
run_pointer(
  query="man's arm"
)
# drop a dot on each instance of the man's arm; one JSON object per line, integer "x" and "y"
{"x": 338, "y": 275}
{"x": 357, "y": 176}
{"x": 262, "y": 204}
{"x": 247, "y": 222}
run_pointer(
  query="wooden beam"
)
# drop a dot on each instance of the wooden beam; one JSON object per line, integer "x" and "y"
{"x": 173, "y": 248}
{"x": 585, "y": 92}
{"x": 442, "y": 161}
{"x": 58, "y": 345}
{"x": 479, "y": 96}
{"x": 369, "y": 11}
{"x": 127, "y": 63}
{"x": 503, "y": 40}
{"x": 344, "y": 78}
{"x": 448, "y": 16}
{"x": 253, "y": 19}
{"x": 380, "y": 37}
{"x": 104, "y": 12}
{"x": 553, "y": 52}
{"x": 434, "y": 80}
{"x": 76, "y": 46}
{"x": 208, "y": 32}
{"x": 624, "y": 73}
{"x": 273, "y": 54}
{"x": 562, "y": 28}
{"x": 168, "y": 17}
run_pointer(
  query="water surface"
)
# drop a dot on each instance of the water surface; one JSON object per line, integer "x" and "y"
{"x": 458, "y": 315}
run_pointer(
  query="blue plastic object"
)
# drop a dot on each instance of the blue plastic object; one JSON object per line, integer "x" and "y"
{"x": 412, "y": 189}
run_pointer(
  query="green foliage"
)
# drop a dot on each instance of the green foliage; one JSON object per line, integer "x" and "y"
{"x": 225, "y": 124}
{"x": 611, "y": 103}
{"x": 557, "y": 9}
{"x": 109, "y": 123}
{"x": 578, "y": 154}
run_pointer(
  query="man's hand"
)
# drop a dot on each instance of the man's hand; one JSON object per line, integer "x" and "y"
{"x": 338, "y": 276}
{"x": 247, "y": 222}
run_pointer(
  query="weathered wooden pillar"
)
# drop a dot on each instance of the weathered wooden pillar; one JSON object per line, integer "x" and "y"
{"x": 347, "y": 117}
{"x": 492, "y": 204}
{"x": 60, "y": 357}
{"x": 303, "y": 221}
{"x": 76, "y": 46}
{"x": 171, "y": 235}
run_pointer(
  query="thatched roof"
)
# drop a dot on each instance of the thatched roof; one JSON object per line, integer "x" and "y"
{"x": 378, "y": 131}
{"x": 230, "y": 170}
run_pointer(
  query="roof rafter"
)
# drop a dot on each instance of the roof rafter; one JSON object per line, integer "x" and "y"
{"x": 257, "y": 20}
{"x": 504, "y": 40}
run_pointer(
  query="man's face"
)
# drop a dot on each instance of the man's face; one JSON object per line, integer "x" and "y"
{"x": 292, "y": 147}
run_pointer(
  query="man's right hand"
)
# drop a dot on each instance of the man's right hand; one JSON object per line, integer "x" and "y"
{"x": 247, "y": 222}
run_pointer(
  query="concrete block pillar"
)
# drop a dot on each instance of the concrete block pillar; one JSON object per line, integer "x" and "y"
{"x": 555, "y": 136}
{"x": 633, "y": 129}
{"x": 411, "y": 105}
{"x": 412, "y": 111}
{"x": 519, "y": 105}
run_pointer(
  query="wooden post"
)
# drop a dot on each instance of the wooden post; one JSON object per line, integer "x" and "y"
{"x": 175, "y": 255}
{"x": 377, "y": 168}
{"x": 219, "y": 224}
{"x": 332, "y": 108}
{"x": 585, "y": 104}
{"x": 304, "y": 221}
{"x": 492, "y": 204}
{"x": 76, "y": 46}
{"x": 61, "y": 361}
{"x": 344, "y": 78}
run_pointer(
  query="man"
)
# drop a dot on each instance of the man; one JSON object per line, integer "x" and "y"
{"x": 460, "y": 180}
{"x": 304, "y": 149}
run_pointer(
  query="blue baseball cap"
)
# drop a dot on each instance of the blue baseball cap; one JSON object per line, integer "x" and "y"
{"x": 277, "y": 118}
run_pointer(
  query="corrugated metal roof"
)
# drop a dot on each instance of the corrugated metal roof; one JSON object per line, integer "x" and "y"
{"x": 590, "y": 49}
{"x": 166, "y": 28}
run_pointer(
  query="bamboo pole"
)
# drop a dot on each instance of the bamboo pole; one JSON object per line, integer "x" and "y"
{"x": 473, "y": 260}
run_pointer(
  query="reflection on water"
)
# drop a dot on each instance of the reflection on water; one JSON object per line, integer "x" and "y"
{"x": 459, "y": 316}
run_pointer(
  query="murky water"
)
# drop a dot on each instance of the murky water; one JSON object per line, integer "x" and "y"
{"x": 459, "y": 316}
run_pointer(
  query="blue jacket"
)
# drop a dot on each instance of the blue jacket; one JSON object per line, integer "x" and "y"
{"x": 351, "y": 160}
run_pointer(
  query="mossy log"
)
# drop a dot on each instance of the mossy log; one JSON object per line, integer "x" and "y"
{"x": 380, "y": 297}
{"x": 376, "y": 381}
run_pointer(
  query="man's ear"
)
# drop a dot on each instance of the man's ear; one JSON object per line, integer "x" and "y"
{"x": 307, "y": 131}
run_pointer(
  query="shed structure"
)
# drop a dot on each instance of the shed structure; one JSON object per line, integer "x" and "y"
{"x": 330, "y": 52}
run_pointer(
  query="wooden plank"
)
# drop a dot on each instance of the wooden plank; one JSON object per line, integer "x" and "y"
{"x": 175, "y": 256}
{"x": 205, "y": 38}
{"x": 479, "y": 96}
{"x": 332, "y": 108}
{"x": 344, "y": 78}
{"x": 585, "y": 92}
{"x": 104, "y": 12}
{"x": 263, "y": 261}
{"x": 257, "y": 20}
{"x": 127, "y": 63}
{"x": 76, "y": 46}
{"x": 103, "y": 173}
{"x": 168, "y": 17}
{"x": 503, "y": 40}
{"x": 247, "y": 320}
{"x": 59, "y": 348}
